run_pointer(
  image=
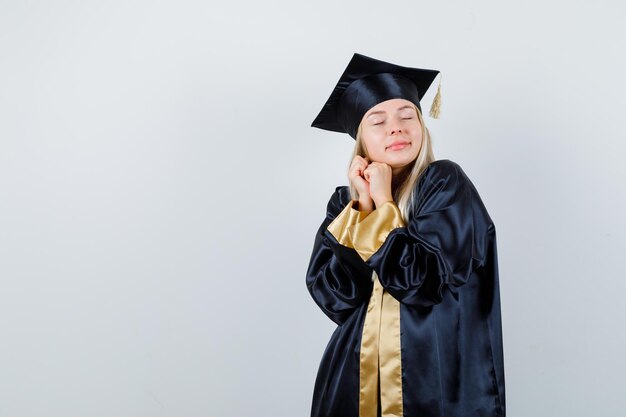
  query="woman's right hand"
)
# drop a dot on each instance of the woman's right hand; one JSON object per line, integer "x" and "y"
{"x": 358, "y": 181}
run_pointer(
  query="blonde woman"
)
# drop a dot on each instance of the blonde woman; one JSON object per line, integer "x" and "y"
{"x": 404, "y": 263}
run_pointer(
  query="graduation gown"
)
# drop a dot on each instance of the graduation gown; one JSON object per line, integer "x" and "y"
{"x": 417, "y": 305}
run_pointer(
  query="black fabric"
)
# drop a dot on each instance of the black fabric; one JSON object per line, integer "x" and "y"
{"x": 366, "y": 82}
{"x": 443, "y": 269}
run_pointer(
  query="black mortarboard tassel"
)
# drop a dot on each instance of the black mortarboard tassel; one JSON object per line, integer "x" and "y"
{"x": 365, "y": 83}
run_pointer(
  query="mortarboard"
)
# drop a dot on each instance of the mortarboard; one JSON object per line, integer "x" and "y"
{"x": 366, "y": 82}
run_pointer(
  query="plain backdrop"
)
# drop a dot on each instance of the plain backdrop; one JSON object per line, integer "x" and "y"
{"x": 161, "y": 186}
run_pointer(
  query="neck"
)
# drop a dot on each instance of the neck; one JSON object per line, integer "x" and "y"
{"x": 399, "y": 175}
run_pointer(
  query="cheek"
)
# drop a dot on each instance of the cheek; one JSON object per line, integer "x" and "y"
{"x": 373, "y": 140}
{"x": 416, "y": 132}
{"x": 415, "y": 126}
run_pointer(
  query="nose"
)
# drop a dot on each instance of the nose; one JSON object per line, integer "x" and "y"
{"x": 395, "y": 129}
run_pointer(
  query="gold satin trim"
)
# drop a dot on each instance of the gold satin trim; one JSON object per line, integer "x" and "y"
{"x": 380, "y": 356}
{"x": 370, "y": 340}
{"x": 368, "y": 235}
{"x": 348, "y": 217}
{"x": 390, "y": 358}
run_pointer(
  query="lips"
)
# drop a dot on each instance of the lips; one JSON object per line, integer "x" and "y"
{"x": 398, "y": 144}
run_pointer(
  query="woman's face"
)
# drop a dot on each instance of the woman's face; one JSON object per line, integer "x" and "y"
{"x": 392, "y": 133}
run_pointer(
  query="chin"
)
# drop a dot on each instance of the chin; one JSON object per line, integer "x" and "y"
{"x": 401, "y": 162}
{"x": 396, "y": 161}
{"x": 400, "y": 166}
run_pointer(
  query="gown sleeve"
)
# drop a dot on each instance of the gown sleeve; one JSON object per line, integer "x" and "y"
{"x": 444, "y": 242}
{"x": 337, "y": 277}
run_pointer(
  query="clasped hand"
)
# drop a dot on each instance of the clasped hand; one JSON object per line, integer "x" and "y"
{"x": 372, "y": 181}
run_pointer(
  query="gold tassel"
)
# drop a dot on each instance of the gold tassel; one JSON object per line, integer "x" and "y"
{"x": 435, "y": 108}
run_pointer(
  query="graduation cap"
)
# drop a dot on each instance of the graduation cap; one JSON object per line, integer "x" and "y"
{"x": 365, "y": 83}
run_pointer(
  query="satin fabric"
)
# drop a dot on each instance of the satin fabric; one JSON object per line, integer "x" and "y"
{"x": 365, "y": 82}
{"x": 381, "y": 350}
{"x": 442, "y": 268}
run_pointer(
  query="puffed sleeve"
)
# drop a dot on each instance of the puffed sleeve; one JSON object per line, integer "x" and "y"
{"x": 337, "y": 278}
{"x": 445, "y": 241}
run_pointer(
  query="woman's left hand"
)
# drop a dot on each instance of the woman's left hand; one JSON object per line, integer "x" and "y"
{"x": 379, "y": 175}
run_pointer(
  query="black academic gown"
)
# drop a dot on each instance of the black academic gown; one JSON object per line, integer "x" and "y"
{"x": 417, "y": 305}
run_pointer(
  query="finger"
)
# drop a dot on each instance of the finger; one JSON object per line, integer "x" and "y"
{"x": 361, "y": 168}
{"x": 363, "y": 160}
{"x": 358, "y": 161}
{"x": 357, "y": 166}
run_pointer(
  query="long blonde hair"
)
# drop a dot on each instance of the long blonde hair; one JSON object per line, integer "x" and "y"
{"x": 403, "y": 195}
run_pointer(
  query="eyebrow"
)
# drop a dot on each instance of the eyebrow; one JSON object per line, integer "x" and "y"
{"x": 381, "y": 111}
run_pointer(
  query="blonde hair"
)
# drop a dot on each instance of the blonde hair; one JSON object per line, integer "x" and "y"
{"x": 404, "y": 193}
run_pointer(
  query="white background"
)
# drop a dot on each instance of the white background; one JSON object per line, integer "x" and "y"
{"x": 160, "y": 188}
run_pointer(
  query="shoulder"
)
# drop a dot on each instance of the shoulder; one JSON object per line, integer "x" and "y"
{"x": 341, "y": 194}
{"x": 444, "y": 173}
{"x": 444, "y": 165}
{"x": 447, "y": 182}
{"x": 338, "y": 200}
{"x": 443, "y": 183}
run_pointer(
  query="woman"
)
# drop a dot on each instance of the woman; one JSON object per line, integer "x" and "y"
{"x": 405, "y": 263}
